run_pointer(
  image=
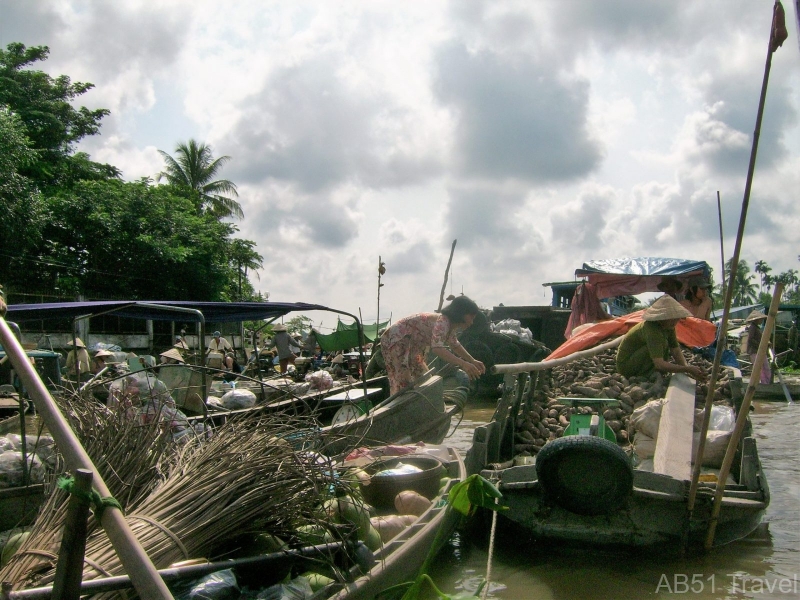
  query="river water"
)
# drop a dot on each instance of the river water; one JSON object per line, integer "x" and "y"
{"x": 764, "y": 566}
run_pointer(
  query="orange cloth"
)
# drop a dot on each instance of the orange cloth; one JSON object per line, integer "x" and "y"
{"x": 695, "y": 333}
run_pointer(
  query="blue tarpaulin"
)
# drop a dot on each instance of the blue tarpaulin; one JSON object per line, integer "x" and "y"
{"x": 160, "y": 310}
{"x": 631, "y": 276}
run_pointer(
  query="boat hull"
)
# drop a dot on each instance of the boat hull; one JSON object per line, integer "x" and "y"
{"x": 400, "y": 559}
{"x": 416, "y": 415}
{"x": 656, "y": 514}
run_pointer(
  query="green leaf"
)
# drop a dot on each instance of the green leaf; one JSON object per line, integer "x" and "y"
{"x": 475, "y": 492}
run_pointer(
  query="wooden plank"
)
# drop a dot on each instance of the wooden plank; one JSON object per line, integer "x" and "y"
{"x": 673, "y": 454}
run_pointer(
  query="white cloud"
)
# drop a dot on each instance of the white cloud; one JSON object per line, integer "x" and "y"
{"x": 539, "y": 134}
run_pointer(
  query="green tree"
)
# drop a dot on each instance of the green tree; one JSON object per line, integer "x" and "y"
{"x": 193, "y": 170}
{"x": 20, "y": 201}
{"x": 53, "y": 125}
{"x": 744, "y": 290}
{"x": 134, "y": 240}
{"x": 243, "y": 256}
{"x": 763, "y": 269}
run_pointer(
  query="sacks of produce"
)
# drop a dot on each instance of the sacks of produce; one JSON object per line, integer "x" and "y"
{"x": 411, "y": 503}
{"x": 646, "y": 419}
{"x": 11, "y": 469}
{"x": 237, "y": 399}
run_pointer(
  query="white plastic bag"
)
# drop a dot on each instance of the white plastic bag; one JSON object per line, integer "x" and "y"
{"x": 238, "y": 398}
{"x": 646, "y": 418}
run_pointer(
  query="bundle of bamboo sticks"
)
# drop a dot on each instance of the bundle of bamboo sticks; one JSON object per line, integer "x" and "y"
{"x": 184, "y": 500}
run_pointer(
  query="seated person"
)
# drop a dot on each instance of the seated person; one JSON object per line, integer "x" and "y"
{"x": 99, "y": 362}
{"x": 649, "y": 344}
{"x": 172, "y": 357}
{"x": 231, "y": 365}
{"x": 218, "y": 344}
{"x": 697, "y": 300}
{"x": 670, "y": 286}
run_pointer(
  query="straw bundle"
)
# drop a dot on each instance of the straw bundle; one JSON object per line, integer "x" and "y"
{"x": 131, "y": 459}
{"x": 246, "y": 478}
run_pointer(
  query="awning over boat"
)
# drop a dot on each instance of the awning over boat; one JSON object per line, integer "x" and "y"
{"x": 160, "y": 310}
{"x": 631, "y": 276}
{"x": 346, "y": 336}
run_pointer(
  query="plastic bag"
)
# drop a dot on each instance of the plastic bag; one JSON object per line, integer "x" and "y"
{"x": 646, "y": 418}
{"x": 11, "y": 469}
{"x": 722, "y": 418}
{"x": 238, "y": 398}
{"x": 221, "y": 585}
{"x": 298, "y": 588}
{"x": 320, "y": 380}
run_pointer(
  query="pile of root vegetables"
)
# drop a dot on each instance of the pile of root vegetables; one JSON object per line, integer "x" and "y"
{"x": 597, "y": 377}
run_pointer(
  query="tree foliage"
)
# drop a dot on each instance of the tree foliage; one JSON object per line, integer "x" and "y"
{"x": 20, "y": 202}
{"x": 51, "y": 123}
{"x": 71, "y": 226}
{"x": 193, "y": 169}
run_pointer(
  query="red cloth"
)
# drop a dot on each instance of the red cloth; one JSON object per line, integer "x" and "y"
{"x": 695, "y": 333}
{"x": 586, "y": 308}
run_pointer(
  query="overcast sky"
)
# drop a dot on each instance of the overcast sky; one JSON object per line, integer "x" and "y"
{"x": 539, "y": 134}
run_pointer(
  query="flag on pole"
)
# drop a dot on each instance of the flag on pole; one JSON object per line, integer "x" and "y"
{"x": 779, "y": 33}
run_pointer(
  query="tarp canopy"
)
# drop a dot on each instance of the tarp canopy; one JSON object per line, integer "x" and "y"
{"x": 346, "y": 336}
{"x": 160, "y": 310}
{"x": 631, "y": 276}
{"x": 695, "y": 333}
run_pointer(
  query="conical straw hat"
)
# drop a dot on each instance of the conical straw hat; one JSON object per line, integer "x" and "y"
{"x": 78, "y": 342}
{"x": 103, "y": 354}
{"x": 664, "y": 309}
{"x": 173, "y": 353}
{"x": 756, "y": 315}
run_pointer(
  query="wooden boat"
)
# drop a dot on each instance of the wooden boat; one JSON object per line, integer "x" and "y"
{"x": 20, "y": 504}
{"x": 421, "y": 414}
{"x": 596, "y": 497}
{"x": 400, "y": 559}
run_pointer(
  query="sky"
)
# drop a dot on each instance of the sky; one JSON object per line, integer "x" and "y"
{"x": 539, "y": 134}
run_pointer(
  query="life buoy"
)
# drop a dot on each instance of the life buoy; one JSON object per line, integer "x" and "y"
{"x": 584, "y": 474}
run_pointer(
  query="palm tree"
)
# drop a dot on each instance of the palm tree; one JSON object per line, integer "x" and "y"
{"x": 762, "y": 268}
{"x": 243, "y": 257}
{"x": 194, "y": 168}
{"x": 744, "y": 290}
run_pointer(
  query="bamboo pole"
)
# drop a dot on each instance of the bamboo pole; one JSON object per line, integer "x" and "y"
{"x": 723, "y": 325}
{"x": 69, "y": 569}
{"x": 446, "y": 271}
{"x": 556, "y": 362}
{"x": 721, "y": 244}
{"x": 137, "y": 564}
{"x": 741, "y": 418}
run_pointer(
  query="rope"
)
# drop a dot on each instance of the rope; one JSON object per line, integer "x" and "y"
{"x": 491, "y": 553}
{"x": 98, "y": 502}
{"x": 164, "y": 530}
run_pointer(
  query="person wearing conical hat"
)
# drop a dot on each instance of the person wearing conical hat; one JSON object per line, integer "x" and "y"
{"x": 99, "y": 362}
{"x": 77, "y": 354}
{"x": 172, "y": 357}
{"x": 649, "y": 345}
{"x": 754, "y": 321}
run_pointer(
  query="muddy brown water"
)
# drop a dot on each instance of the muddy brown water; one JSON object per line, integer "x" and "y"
{"x": 765, "y": 565}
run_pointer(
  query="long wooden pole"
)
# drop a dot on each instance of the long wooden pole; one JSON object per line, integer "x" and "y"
{"x": 723, "y": 325}
{"x": 446, "y": 271}
{"x": 137, "y": 564}
{"x": 741, "y": 418}
{"x": 556, "y": 362}
{"x": 721, "y": 244}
